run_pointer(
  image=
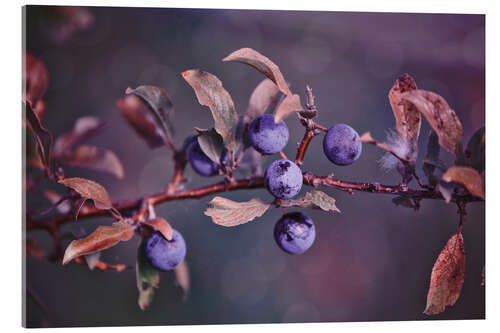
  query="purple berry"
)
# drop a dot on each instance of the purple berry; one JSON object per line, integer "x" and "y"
{"x": 294, "y": 232}
{"x": 200, "y": 162}
{"x": 283, "y": 179}
{"x": 266, "y": 136}
{"x": 163, "y": 254}
{"x": 341, "y": 144}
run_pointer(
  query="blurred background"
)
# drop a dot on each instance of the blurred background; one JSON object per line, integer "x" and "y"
{"x": 370, "y": 263}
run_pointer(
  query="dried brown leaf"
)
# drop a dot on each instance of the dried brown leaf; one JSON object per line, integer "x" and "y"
{"x": 89, "y": 189}
{"x": 229, "y": 213}
{"x": 314, "y": 199}
{"x": 210, "y": 92}
{"x": 468, "y": 177}
{"x": 288, "y": 106}
{"x": 408, "y": 119}
{"x": 262, "y": 64}
{"x": 94, "y": 158}
{"x": 182, "y": 277}
{"x": 440, "y": 116}
{"x": 447, "y": 276}
{"x": 160, "y": 225}
{"x": 102, "y": 238}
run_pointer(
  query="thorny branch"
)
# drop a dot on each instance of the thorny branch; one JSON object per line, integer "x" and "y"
{"x": 138, "y": 208}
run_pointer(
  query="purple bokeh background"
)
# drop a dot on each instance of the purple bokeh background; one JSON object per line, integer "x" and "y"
{"x": 372, "y": 262}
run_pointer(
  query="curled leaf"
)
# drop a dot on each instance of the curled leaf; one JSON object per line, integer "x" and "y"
{"x": 210, "y": 92}
{"x": 262, "y": 64}
{"x": 314, "y": 199}
{"x": 289, "y": 105}
{"x": 147, "y": 277}
{"x": 468, "y": 177}
{"x": 102, "y": 238}
{"x": 447, "y": 276}
{"x": 211, "y": 144}
{"x": 89, "y": 189}
{"x": 229, "y": 213}
{"x": 161, "y": 105}
{"x": 440, "y": 116}
{"x": 182, "y": 277}
{"x": 408, "y": 119}
{"x": 142, "y": 120}
{"x": 160, "y": 225}
{"x": 94, "y": 158}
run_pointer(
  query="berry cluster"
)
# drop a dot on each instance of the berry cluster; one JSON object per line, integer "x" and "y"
{"x": 294, "y": 232}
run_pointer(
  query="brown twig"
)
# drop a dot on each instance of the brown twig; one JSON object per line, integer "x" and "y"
{"x": 173, "y": 191}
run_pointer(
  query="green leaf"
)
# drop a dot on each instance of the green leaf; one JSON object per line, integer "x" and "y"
{"x": 147, "y": 278}
{"x": 314, "y": 199}
{"x": 211, "y": 144}
{"x": 210, "y": 92}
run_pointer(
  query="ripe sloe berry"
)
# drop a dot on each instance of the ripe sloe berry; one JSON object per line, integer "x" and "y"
{"x": 341, "y": 144}
{"x": 283, "y": 179}
{"x": 163, "y": 254}
{"x": 294, "y": 232}
{"x": 266, "y": 136}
